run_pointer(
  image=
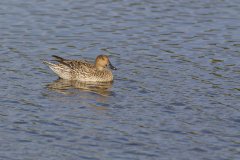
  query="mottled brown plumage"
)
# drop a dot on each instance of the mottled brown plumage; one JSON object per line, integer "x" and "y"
{"x": 82, "y": 70}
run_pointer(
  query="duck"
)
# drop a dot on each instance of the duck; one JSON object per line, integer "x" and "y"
{"x": 82, "y": 70}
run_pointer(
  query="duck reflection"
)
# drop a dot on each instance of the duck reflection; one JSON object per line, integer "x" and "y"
{"x": 65, "y": 86}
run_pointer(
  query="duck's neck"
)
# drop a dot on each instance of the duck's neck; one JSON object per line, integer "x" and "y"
{"x": 100, "y": 68}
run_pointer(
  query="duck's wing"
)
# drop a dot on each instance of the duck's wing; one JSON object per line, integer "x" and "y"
{"x": 80, "y": 65}
{"x": 73, "y": 64}
{"x": 62, "y": 60}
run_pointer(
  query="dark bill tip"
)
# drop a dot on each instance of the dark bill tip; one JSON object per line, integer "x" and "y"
{"x": 112, "y": 67}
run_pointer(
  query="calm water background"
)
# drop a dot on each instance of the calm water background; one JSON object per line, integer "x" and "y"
{"x": 176, "y": 95}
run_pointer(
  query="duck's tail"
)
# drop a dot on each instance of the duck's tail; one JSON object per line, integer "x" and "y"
{"x": 58, "y": 59}
{"x": 49, "y": 63}
{"x": 61, "y": 70}
{"x": 61, "y": 60}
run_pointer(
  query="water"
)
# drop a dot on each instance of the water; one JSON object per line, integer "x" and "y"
{"x": 175, "y": 95}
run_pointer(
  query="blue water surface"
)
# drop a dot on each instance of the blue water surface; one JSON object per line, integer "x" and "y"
{"x": 176, "y": 93}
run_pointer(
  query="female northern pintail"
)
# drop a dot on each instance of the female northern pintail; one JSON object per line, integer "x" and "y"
{"x": 82, "y": 70}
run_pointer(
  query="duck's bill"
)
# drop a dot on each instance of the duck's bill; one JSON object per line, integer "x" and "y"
{"x": 112, "y": 67}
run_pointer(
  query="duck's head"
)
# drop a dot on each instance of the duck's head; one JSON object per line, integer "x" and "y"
{"x": 102, "y": 61}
